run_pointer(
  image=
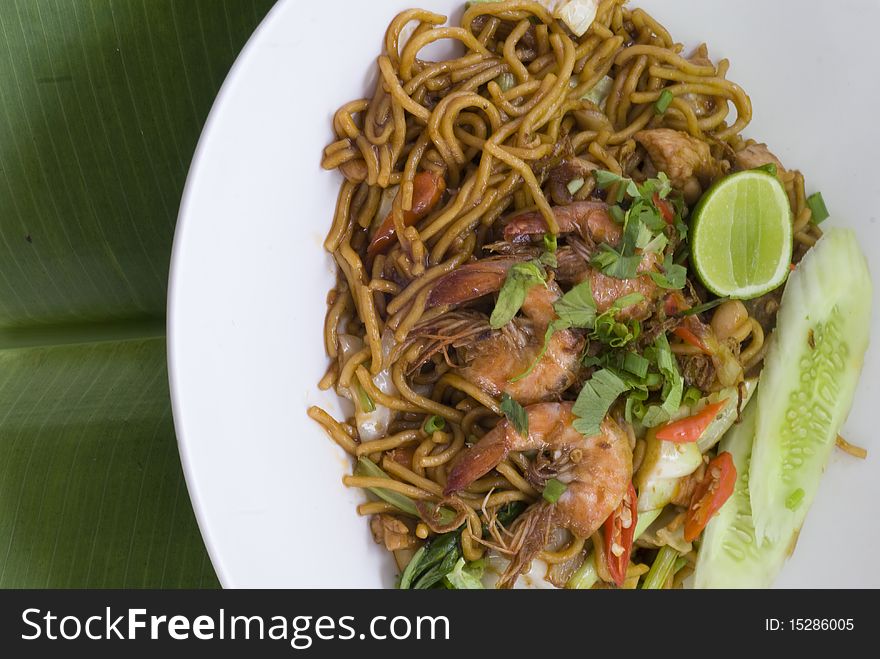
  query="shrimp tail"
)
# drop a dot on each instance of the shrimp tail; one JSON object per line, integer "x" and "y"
{"x": 471, "y": 281}
{"x": 478, "y": 460}
{"x": 533, "y": 532}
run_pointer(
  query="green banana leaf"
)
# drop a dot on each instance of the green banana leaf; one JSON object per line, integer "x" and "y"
{"x": 101, "y": 105}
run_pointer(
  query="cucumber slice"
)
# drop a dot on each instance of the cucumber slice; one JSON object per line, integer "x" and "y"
{"x": 729, "y": 555}
{"x": 808, "y": 382}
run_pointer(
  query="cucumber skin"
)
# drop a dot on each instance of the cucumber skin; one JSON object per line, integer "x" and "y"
{"x": 809, "y": 379}
{"x": 730, "y": 555}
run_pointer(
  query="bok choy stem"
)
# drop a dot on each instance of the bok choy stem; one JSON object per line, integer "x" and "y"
{"x": 661, "y": 569}
{"x": 366, "y": 467}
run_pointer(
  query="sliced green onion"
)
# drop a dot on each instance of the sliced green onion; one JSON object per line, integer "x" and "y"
{"x": 635, "y": 364}
{"x": 366, "y": 467}
{"x": 367, "y": 404}
{"x": 661, "y": 569}
{"x": 653, "y": 380}
{"x": 770, "y": 168}
{"x": 817, "y": 207}
{"x": 553, "y": 490}
{"x": 663, "y": 102}
{"x": 634, "y": 409}
{"x": 700, "y": 308}
{"x": 550, "y": 242}
{"x": 691, "y": 396}
{"x": 574, "y": 185}
{"x": 434, "y": 423}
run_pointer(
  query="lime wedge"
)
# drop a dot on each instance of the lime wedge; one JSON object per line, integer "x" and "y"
{"x": 741, "y": 236}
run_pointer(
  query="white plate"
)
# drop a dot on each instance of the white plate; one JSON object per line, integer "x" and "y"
{"x": 249, "y": 276}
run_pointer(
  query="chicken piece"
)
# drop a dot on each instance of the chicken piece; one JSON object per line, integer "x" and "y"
{"x": 680, "y": 156}
{"x": 391, "y": 532}
{"x": 757, "y": 155}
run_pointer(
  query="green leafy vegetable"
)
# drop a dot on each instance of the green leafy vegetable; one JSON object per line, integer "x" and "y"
{"x": 627, "y": 300}
{"x": 657, "y": 244}
{"x": 548, "y": 259}
{"x": 818, "y": 210}
{"x": 520, "y": 278}
{"x": 605, "y": 179}
{"x": 636, "y": 364}
{"x": 616, "y": 264}
{"x": 509, "y": 512}
{"x": 663, "y": 102}
{"x": 613, "y": 332}
{"x": 594, "y": 400}
{"x": 406, "y": 578}
{"x": 516, "y": 414}
{"x": 441, "y": 555}
{"x": 645, "y": 236}
{"x": 577, "y": 307}
{"x": 466, "y": 576}
{"x": 673, "y": 276}
{"x": 644, "y": 226}
{"x": 553, "y": 490}
{"x": 434, "y": 423}
{"x": 770, "y": 168}
{"x": 673, "y": 386}
{"x": 366, "y": 467}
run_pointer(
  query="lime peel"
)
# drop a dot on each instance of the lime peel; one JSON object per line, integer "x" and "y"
{"x": 741, "y": 239}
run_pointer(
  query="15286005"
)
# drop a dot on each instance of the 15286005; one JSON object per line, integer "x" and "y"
{"x": 809, "y": 624}
{"x": 821, "y": 624}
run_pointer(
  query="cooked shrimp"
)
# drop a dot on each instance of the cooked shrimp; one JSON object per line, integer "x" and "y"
{"x": 493, "y": 358}
{"x": 596, "y": 469}
{"x": 607, "y": 290}
{"x": 574, "y": 267}
{"x": 590, "y": 219}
